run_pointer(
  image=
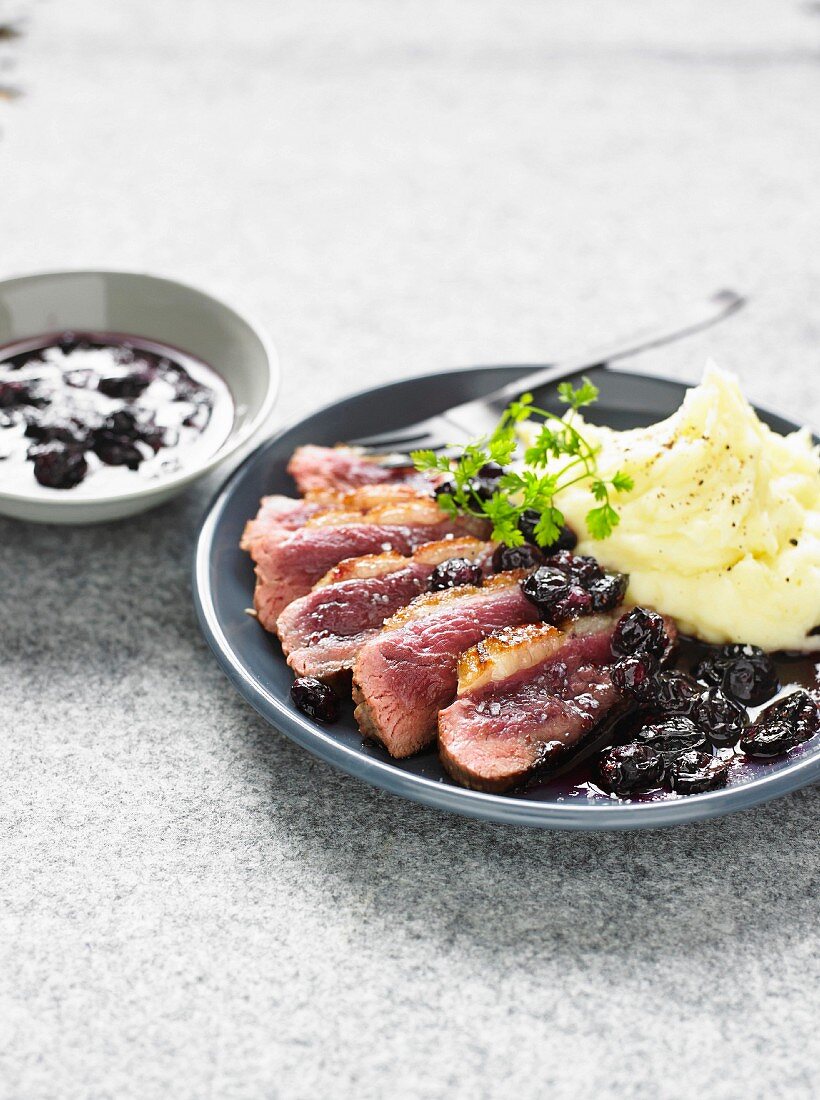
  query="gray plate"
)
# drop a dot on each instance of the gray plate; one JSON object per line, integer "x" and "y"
{"x": 223, "y": 585}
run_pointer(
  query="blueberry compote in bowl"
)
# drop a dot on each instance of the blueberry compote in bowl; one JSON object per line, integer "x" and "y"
{"x": 117, "y": 390}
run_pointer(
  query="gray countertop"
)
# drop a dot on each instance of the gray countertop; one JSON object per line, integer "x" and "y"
{"x": 192, "y": 906}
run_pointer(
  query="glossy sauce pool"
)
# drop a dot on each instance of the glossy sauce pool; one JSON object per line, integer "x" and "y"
{"x": 129, "y": 410}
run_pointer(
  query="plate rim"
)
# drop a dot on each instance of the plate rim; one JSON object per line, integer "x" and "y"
{"x": 499, "y": 808}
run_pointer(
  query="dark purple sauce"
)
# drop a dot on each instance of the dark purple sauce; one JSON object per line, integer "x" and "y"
{"x": 96, "y": 412}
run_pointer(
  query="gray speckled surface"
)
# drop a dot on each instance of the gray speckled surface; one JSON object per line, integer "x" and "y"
{"x": 191, "y": 906}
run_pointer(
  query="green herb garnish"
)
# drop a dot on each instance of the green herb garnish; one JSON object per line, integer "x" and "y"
{"x": 536, "y": 487}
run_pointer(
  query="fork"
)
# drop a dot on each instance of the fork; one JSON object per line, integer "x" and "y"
{"x": 479, "y": 417}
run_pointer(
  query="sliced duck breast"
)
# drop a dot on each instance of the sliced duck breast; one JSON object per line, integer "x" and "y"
{"x": 339, "y": 468}
{"x": 322, "y": 632}
{"x": 527, "y": 698}
{"x": 288, "y": 566}
{"x": 409, "y": 671}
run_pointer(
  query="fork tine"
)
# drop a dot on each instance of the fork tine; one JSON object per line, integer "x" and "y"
{"x": 415, "y": 437}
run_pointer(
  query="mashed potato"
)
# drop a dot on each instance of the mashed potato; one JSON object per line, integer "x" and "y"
{"x": 722, "y": 528}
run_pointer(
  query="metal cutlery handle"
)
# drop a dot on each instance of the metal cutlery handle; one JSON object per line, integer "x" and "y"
{"x": 703, "y": 315}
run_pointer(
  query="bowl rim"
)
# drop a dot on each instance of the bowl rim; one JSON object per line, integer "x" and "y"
{"x": 235, "y": 441}
{"x": 382, "y": 774}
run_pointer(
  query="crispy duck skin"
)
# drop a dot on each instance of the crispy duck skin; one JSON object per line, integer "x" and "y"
{"x": 406, "y": 673}
{"x": 322, "y": 632}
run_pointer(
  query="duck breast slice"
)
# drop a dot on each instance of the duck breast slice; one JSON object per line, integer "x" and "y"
{"x": 527, "y": 698}
{"x": 339, "y": 468}
{"x": 409, "y": 671}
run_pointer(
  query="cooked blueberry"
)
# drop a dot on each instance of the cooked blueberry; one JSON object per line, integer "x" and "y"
{"x": 516, "y": 557}
{"x": 125, "y": 386}
{"x": 721, "y": 718}
{"x": 315, "y": 699}
{"x": 481, "y": 489}
{"x": 609, "y": 592}
{"x": 118, "y": 452}
{"x": 627, "y": 769}
{"x": 527, "y": 521}
{"x": 478, "y": 490}
{"x": 453, "y": 573}
{"x": 695, "y": 772}
{"x": 751, "y": 680}
{"x": 581, "y": 568}
{"x": 114, "y": 441}
{"x": 121, "y": 425}
{"x": 635, "y": 677}
{"x": 640, "y": 631}
{"x": 577, "y": 602}
{"x": 546, "y": 587}
{"x": 14, "y": 395}
{"x": 58, "y": 466}
{"x": 782, "y": 726}
{"x": 48, "y": 428}
{"x": 675, "y": 693}
{"x": 745, "y": 672}
{"x": 491, "y": 471}
{"x": 673, "y": 737}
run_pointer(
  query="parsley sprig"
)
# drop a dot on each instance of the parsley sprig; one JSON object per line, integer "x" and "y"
{"x": 544, "y": 477}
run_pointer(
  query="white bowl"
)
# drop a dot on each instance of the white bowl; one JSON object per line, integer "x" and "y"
{"x": 154, "y": 308}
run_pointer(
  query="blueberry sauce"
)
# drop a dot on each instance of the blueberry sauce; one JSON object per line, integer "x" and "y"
{"x": 99, "y": 413}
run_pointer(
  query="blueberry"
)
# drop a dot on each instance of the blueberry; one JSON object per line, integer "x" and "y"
{"x": 491, "y": 471}
{"x": 673, "y": 737}
{"x": 675, "y": 693}
{"x": 58, "y": 466}
{"x": 47, "y": 428}
{"x": 453, "y": 573}
{"x": 315, "y": 699}
{"x": 14, "y": 395}
{"x": 609, "y": 592}
{"x": 581, "y": 568}
{"x": 627, "y": 769}
{"x": 782, "y": 726}
{"x": 634, "y": 677}
{"x": 546, "y": 588}
{"x": 126, "y": 386}
{"x": 527, "y": 521}
{"x": 118, "y": 452}
{"x": 555, "y": 595}
{"x": 721, "y": 718}
{"x": 745, "y": 672}
{"x": 516, "y": 557}
{"x": 695, "y": 772}
{"x": 751, "y": 680}
{"x": 114, "y": 441}
{"x": 641, "y": 631}
{"x": 478, "y": 490}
